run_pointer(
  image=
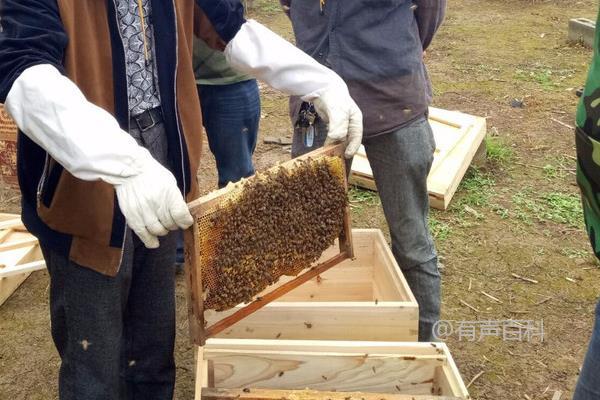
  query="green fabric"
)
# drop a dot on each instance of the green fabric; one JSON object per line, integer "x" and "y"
{"x": 587, "y": 141}
{"x": 211, "y": 67}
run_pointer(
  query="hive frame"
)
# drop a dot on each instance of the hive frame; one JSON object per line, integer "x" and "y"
{"x": 198, "y": 331}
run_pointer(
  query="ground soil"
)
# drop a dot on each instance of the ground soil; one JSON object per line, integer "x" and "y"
{"x": 488, "y": 53}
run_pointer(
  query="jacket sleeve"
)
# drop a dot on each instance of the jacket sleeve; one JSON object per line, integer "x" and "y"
{"x": 429, "y": 14}
{"x": 225, "y": 16}
{"x": 31, "y": 33}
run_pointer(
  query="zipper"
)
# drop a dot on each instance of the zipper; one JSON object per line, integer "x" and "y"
{"x": 42, "y": 180}
{"x": 128, "y": 119}
{"x": 176, "y": 107}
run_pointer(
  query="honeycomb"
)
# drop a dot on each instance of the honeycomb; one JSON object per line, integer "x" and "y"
{"x": 276, "y": 223}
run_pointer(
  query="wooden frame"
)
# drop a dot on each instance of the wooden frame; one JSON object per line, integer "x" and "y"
{"x": 198, "y": 329}
{"x": 458, "y": 137}
{"x": 20, "y": 255}
{"x": 365, "y": 299}
{"x": 377, "y": 370}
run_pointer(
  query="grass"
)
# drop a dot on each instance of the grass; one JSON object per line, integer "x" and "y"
{"x": 476, "y": 189}
{"x": 557, "y": 207}
{"x": 360, "y": 198}
{"x": 439, "y": 229}
{"x": 498, "y": 151}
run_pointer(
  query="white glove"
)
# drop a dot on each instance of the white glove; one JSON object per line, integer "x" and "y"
{"x": 88, "y": 142}
{"x": 152, "y": 203}
{"x": 257, "y": 51}
{"x": 344, "y": 118}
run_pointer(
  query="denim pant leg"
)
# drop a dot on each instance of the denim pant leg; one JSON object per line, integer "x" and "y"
{"x": 588, "y": 386}
{"x": 86, "y": 310}
{"x": 147, "y": 361}
{"x": 231, "y": 115}
{"x": 401, "y": 161}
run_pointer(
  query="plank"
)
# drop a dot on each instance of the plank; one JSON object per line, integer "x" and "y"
{"x": 457, "y": 135}
{"x": 347, "y": 347}
{"x": 17, "y": 244}
{"x": 387, "y": 276}
{"x": 384, "y": 321}
{"x": 29, "y": 267}
{"x": 268, "y": 394}
{"x": 331, "y": 372}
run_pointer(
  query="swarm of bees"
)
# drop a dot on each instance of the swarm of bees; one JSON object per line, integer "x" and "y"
{"x": 279, "y": 224}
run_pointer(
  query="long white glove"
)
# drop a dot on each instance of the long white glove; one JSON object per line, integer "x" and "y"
{"x": 257, "y": 51}
{"x": 88, "y": 142}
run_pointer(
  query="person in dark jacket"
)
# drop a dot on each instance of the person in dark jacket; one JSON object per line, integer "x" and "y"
{"x": 377, "y": 47}
{"x": 104, "y": 95}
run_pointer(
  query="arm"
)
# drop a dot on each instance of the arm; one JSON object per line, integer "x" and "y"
{"x": 257, "y": 51}
{"x": 85, "y": 139}
{"x": 429, "y": 15}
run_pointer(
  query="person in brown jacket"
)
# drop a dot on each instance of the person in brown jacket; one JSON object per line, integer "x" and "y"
{"x": 104, "y": 95}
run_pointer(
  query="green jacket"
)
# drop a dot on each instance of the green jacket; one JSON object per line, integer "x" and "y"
{"x": 587, "y": 139}
{"x": 211, "y": 68}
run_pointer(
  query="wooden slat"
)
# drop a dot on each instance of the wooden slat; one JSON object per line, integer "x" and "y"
{"x": 383, "y": 321}
{"x": 267, "y": 394}
{"x": 17, "y": 244}
{"x": 23, "y": 268}
{"x": 340, "y": 346}
{"x": 12, "y": 223}
{"x": 333, "y": 372}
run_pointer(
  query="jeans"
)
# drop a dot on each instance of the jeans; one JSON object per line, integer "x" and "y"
{"x": 401, "y": 161}
{"x": 231, "y": 115}
{"x": 588, "y": 386}
{"x": 115, "y": 335}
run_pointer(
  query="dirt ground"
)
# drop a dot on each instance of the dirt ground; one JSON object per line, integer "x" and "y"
{"x": 518, "y": 213}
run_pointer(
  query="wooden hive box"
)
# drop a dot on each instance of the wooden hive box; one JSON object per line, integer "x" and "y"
{"x": 20, "y": 255}
{"x": 366, "y": 298}
{"x": 458, "y": 137}
{"x": 8, "y": 149}
{"x": 280, "y": 369}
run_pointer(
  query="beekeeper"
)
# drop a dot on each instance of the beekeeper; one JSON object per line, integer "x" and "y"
{"x": 104, "y": 95}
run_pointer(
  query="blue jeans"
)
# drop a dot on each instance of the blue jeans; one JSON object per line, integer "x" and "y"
{"x": 231, "y": 115}
{"x": 588, "y": 386}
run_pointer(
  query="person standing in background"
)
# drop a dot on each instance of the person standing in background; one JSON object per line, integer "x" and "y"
{"x": 587, "y": 140}
{"x": 377, "y": 48}
{"x": 230, "y": 103}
